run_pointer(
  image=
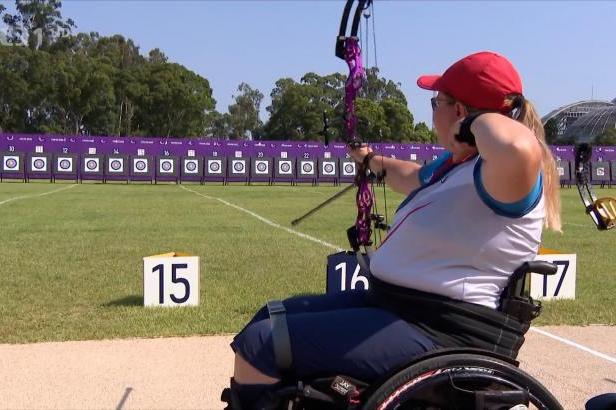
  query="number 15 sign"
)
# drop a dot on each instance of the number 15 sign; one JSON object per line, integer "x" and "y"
{"x": 171, "y": 279}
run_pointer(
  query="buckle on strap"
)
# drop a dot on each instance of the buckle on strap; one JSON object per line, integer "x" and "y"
{"x": 280, "y": 336}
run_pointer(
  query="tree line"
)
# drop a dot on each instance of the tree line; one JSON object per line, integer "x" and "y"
{"x": 53, "y": 80}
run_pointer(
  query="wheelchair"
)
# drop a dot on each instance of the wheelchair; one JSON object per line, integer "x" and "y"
{"x": 447, "y": 379}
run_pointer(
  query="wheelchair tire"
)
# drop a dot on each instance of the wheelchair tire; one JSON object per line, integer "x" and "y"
{"x": 429, "y": 384}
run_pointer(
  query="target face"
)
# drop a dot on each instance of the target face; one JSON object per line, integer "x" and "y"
{"x": 329, "y": 168}
{"x": 140, "y": 165}
{"x": 261, "y": 167}
{"x": 601, "y": 172}
{"x": 116, "y": 165}
{"x": 11, "y": 163}
{"x": 92, "y": 165}
{"x": 285, "y": 168}
{"x": 191, "y": 166}
{"x": 165, "y": 166}
{"x": 39, "y": 164}
{"x": 348, "y": 169}
{"x": 65, "y": 164}
{"x": 214, "y": 166}
{"x": 239, "y": 167}
{"x": 561, "y": 171}
{"x": 307, "y": 167}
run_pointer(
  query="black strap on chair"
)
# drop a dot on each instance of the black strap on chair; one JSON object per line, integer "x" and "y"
{"x": 280, "y": 336}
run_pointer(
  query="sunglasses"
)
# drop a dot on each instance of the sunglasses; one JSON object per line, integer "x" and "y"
{"x": 436, "y": 102}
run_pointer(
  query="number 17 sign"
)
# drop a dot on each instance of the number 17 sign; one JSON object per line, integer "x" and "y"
{"x": 171, "y": 279}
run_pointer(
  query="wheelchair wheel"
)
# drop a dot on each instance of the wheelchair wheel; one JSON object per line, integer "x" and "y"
{"x": 461, "y": 381}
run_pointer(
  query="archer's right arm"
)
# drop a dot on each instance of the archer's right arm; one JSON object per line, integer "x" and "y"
{"x": 401, "y": 176}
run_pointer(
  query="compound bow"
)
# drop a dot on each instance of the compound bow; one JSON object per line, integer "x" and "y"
{"x": 602, "y": 210}
{"x": 348, "y": 49}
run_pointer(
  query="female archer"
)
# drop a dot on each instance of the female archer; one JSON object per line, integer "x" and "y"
{"x": 470, "y": 219}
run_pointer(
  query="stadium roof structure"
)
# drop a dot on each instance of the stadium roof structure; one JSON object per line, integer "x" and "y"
{"x": 567, "y": 115}
{"x": 597, "y": 121}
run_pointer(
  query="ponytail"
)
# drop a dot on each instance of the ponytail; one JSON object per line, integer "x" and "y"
{"x": 523, "y": 111}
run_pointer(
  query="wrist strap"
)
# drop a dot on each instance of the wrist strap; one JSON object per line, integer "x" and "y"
{"x": 366, "y": 162}
{"x": 465, "y": 134}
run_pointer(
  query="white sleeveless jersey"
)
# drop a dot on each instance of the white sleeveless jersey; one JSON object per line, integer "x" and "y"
{"x": 449, "y": 239}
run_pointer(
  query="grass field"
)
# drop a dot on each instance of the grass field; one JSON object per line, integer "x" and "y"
{"x": 71, "y": 261}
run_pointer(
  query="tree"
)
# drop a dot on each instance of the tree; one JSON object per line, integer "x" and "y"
{"x": 551, "y": 131}
{"x": 37, "y": 22}
{"x": 14, "y": 89}
{"x": 399, "y": 120}
{"x": 295, "y": 112}
{"x": 244, "y": 114}
{"x": 372, "y": 121}
{"x": 297, "y": 109}
{"x": 423, "y": 134}
{"x": 176, "y": 102}
{"x": 608, "y": 137}
{"x": 381, "y": 89}
{"x": 217, "y": 125}
{"x": 156, "y": 56}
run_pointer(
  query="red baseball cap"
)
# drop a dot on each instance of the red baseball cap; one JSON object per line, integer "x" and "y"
{"x": 481, "y": 80}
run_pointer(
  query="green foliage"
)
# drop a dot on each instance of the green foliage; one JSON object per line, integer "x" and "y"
{"x": 606, "y": 138}
{"x": 244, "y": 113}
{"x": 423, "y": 134}
{"x": 38, "y": 23}
{"x": 551, "y": 131}
{"x": 87, "y": 84}
{"x": 94, "y": 85}
{"x": 297, "y": 109}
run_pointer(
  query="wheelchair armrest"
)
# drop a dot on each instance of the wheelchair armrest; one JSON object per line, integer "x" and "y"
{"x": 515, "y": 287}
{"x": 540, "y": 267}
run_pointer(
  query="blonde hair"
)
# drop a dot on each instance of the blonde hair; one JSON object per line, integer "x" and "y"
{"x": 527, "y": 115}
{"x": 520, "y": 109}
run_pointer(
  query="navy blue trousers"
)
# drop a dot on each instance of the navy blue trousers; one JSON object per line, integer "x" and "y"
{"x": 334, "y": 334}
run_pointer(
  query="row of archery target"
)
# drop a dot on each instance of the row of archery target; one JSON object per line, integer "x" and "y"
{"x": 144, "y": 167}
{"x": 601, "y": 172}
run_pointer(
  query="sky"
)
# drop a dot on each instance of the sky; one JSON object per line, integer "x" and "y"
{"x": 565, "y": 51}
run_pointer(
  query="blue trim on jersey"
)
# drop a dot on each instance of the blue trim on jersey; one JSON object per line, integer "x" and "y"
{"x": 513, "y": 209}
{"x": 427, "y": 171}
{"x": 426, "y": 174}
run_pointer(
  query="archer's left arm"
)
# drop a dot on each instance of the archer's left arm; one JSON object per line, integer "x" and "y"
{"x": 511, "y": 156}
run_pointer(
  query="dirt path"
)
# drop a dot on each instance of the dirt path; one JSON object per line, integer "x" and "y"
{"x": 189, "y": 373}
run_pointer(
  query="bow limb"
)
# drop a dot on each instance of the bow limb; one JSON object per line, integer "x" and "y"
{"x": 602, "y": 210}
{"x": 348, "y": 49}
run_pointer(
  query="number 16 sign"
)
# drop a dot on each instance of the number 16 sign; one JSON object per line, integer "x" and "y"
{"x": 171, "y": 279}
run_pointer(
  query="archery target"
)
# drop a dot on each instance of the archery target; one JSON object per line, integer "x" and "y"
{"x": 261, "y": 167}
{"x": 165, "y": 166}
{"x": 601, "y": 171}
{"x": 191, "y": 166}
{"x": 92, "y": 165}
{"x": 348, "y": 169}
{"x": 65, "y": 164}
{"x": 328, "y": 168}
{"x": 11, "y": 163}
{"x": 561, "y": 171}
{"x": 238, "y": 166}
{"x": 306, "y": 167}
{"x": 214, "y": 166}
{"x": 285, "y": 167}
{"x": 116, "y": 165}
{"x": 140, "y": 165}
{"x": 39, "y": 164}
